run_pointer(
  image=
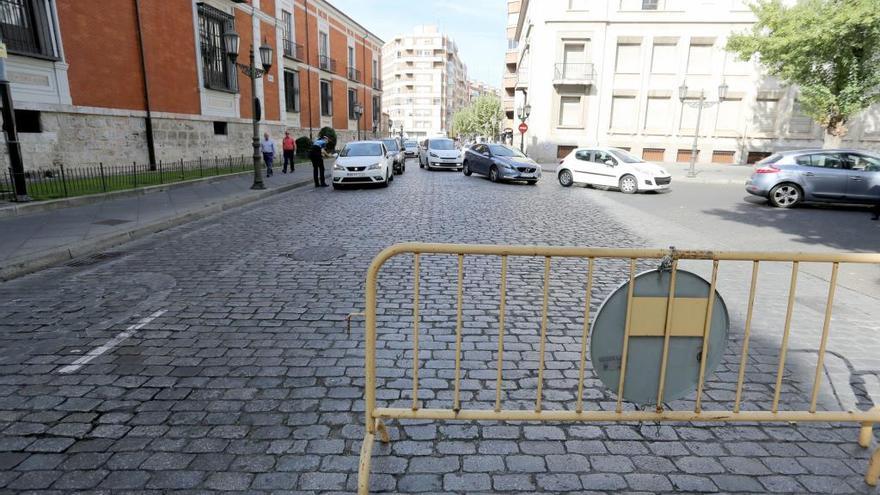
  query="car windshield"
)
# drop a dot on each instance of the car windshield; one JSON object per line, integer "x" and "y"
{"x": 442, "y": 144}
{"x": 362, "y": 149}
{"x": 411, "y": 144}
{"x": 626, "y": 157}
{"x": 390, "y": 144}
{"x": 499, "y": 150}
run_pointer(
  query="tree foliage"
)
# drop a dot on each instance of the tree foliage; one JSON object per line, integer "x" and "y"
{"x": 830, "y": 49}
{"x": 482, "y": 117}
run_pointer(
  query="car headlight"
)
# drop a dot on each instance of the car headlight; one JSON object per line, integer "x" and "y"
{"x": 374, "y": 166}
{"x": 506, "y": 165}
{"x": 433, "y": 155}
{"x": 337, "y": 166}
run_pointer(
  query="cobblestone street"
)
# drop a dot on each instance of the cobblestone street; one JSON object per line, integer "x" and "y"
{"x": 231, "y": 368}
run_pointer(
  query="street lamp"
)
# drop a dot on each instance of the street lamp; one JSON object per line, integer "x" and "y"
{"x": 523, "y": 113}
{"x": 699, "y": 105}
{"x": 358, "y": 111}
{"x": 231, "y": 42}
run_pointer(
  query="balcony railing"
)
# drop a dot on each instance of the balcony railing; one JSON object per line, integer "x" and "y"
{"x": 293, "y": 50}
{"x": 377, "y": 83}
{"x": 326, "y": 63}
{"x": 354, "y": 74}
{"x": 567, "y": 73}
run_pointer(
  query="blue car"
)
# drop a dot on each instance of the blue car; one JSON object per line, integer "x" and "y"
{"x": 500, "y": 163}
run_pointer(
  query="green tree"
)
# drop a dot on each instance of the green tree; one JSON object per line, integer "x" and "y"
{"x": 830, "y": 49}
{"x": 487, "y": 116}
{"x": 463, "y": 122}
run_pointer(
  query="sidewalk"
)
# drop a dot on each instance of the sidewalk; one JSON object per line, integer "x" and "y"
{"x": 33, "y": 241}
{"x": 706, "y": 173}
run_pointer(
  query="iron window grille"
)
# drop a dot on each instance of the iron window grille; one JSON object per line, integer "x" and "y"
{"x": 218, "y": 71}
{"x": 28, "y": 28}
{"x": 291, "y": 90}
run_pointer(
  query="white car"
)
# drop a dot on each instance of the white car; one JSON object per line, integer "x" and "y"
{"x": 363, "y": 163}
{"x": 440, "y": 153}
{"x": 612, "y": 167}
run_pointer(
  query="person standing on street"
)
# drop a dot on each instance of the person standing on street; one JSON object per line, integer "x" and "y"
{"x": 316, "y": 155}
{"x": 288, "y": 147}
{"x": 268, "y": 149}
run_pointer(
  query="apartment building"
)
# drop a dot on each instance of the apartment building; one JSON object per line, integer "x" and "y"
{"x": 121, "y": 81}
{"x": 477, "y": 89}
{"x": 608, "y": 72}
{"x": 424, "y": 80}
{"x": 511, "y": 64}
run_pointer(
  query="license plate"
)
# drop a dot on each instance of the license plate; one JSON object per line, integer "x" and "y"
{"x": 356, "y": 174}
{"x": 527, "y": 175}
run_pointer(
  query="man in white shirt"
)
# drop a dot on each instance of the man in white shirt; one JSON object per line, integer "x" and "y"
{"x": 268, "y": 149}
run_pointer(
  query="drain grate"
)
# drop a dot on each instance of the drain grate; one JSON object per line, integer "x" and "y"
{"x": 111, "y": 222}
{"x": 96, "y": 258}
{"x": 316, "y": 253}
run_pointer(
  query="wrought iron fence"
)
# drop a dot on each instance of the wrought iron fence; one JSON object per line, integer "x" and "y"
{"x": 293, "y": 50}
{"x": 62, "y": 182}
{"x": 354, "y": 74}
{"x": 327, "y": 63}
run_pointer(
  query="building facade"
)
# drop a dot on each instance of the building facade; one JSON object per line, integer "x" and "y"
{"x": 424, "y": 80}
{"x": 121, "y": 81}
{"x": 608, "y": 72}
{"x": 477, "y": 89}
{"x": 511, "y": 64}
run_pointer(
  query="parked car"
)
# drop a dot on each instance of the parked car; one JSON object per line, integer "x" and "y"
{"x": 612, "y": 167}
{"x": 363, "y": 163}
{"x": 411, "y": 148}
{"x": 398, "y": 160}
{"x": 500, "y": 162}
{"x": 439, "y": 153}
{"x": 789, "y": 178}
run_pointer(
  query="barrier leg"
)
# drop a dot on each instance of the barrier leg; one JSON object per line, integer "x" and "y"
{"x": 364, "y": 466}
{"x": 383, "y": 432}
{"x": 867, "y": 431}
{"x": 873, "y": 468}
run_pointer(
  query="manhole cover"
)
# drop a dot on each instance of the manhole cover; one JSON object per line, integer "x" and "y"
{"x": 111, "y": 222}
{"x": 316, "y": 253}
{"x": 96, "y": 258}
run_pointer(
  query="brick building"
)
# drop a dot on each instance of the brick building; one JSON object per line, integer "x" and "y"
{"x": 90, "y": 79}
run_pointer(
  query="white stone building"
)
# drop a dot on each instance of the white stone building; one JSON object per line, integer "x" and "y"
{"x": 424, "y": 82}
{"x": 608, "y": 72}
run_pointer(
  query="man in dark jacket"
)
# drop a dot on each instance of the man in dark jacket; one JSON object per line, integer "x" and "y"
{"x": 316, "y": 155}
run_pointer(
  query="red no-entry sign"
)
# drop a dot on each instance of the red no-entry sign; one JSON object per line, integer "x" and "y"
{"x": 523, "y": 128}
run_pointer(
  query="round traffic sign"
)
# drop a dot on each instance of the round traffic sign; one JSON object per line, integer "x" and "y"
{"x": 647, "y": 321}
{"x": 523, "y": 127}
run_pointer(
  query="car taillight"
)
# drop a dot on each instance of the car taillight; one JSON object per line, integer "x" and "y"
{"x": 767, "y": 169}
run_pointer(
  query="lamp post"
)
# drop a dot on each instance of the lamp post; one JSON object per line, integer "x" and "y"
{"x": 523, "y": 112}
{"x": 13, "y": 146}
{"x": 699, "y": 105}
{"x": 231, "y": 41}
{"x": 358, "y": 112}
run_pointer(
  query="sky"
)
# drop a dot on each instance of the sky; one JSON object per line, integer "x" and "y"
{"x": 477, "y": 26}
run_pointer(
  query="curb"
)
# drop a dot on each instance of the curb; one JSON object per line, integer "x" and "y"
{"x": 46, "y": 259}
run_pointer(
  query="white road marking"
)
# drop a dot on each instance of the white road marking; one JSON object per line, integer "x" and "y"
{"x": 115, "y": 341}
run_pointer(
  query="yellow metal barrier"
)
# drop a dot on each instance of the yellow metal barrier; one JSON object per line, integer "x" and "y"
{"x": 375, "y": 415}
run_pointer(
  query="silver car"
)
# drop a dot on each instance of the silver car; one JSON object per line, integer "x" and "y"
{"x": 789, "y": 178}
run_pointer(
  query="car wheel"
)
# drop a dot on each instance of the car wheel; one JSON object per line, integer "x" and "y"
{"x": 565, "y": 178}
{"x": 786, "y": 195}
{"x": 628, "y": 185}
{"x": 385, "y": 182}
{"x": 466, "y": 169}
{"x": 493, "y": 174}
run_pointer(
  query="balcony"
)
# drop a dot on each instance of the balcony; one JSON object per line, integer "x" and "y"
{"x": 326, "y": 63}
{"x": 511, "y": 57}
{"x": 354, "y": 74}
{"x": 573, "y": 74}
{"x": 293, "y": 50}
{"x": 377, "y": 84}
{"x": 509, "y": 81}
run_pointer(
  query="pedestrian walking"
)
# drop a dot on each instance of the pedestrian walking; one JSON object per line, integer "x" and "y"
{"x": 316, "y": 155}
{"x": 288, "y": 147}
{"x": 268, "y": 149}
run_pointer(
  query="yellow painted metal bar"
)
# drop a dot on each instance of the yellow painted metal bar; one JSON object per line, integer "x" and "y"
{"x": 595, "y": 415}
{"x": 364, "y": 464}
{"x": 502, "y": 305}
{"x": 745, "y": 348}
{"x": 456, "y": 403}
{"x": 707, "y": 328}
{"x": 826, "y": 326}
{"x": 866, "y": 432}
{"x": 583, "y": 363}
{"x": 626, "y": 329}
{"x": 667, "y": 330}
{"x": 873, "y": 468}
{"x": 416, "y": 277}
{"x": 785, "y": 334}
{"x": 543, "y": 343}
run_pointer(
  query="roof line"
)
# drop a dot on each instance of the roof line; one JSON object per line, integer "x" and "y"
{"x": 356, "y": 23}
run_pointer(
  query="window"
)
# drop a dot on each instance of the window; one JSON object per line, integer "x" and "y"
{"x": 864, "y": 163}
{"x": 323, "y": 44}
{"x": 217, "y": 69}
{"x": 220, "y": 128}
{"x": 28, "y": 121}
{"x": 583, "y": 155}
{"x": 352, "y": 102}
{"x": 604, "y": 156}
{"x": 821, "y": 160}
{"x": 351, "y": 60}
{"x": 623, "y": 113}
{"x": 700, "y": 59}
{"x": 663, "y": 59}
{"x": 287, "y": 25}
{"x": 377, "y": 110}
{"x": 291, "y": 90}
{"x": 570, "y": 112}
{"x": 575, "y": 5}
{"x": 26, "y": 28}
{"x": 658, "y": 111}
{"x": 649, "y": 4}
{"x": 574, "y": 59}
{"x": 326, "y": 99}
{"x": 800, "y": 122}
{"x": 628, "y": 58}
{"x": 764, "y": 118}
